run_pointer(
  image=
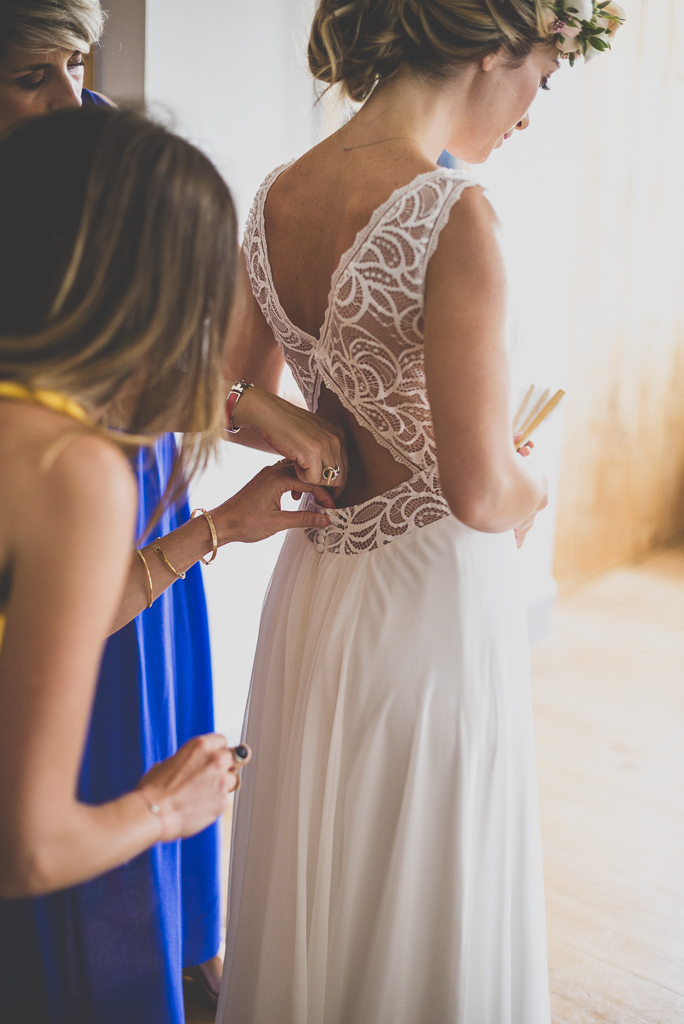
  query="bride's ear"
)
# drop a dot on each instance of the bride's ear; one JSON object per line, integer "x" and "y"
{"x": 492, "y": 60}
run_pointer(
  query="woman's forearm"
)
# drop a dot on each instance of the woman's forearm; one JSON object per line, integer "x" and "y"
{"x": 105, "y": 836}
{"x": 182, "y": 547}
{"x": 498, "y": 501}
{"x": 249, "y": 437}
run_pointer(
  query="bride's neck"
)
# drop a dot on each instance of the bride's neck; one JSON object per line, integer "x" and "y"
{"x": 413, "y": 108}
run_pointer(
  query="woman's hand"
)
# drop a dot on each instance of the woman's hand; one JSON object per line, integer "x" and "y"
{"x": 309, "y": 441}
{"x": 526, "y": 448}
{"x": 524, "y": 528}
{"x": 192, "y": 788}
{"x": 254, "y": 513}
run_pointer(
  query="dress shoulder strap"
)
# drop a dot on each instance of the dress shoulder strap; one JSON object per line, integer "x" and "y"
{"x": 50, "y": 399}
{"x": 452, "y": 184}
{"x": 254, "y": 242}
{"x": 420, "y": 209}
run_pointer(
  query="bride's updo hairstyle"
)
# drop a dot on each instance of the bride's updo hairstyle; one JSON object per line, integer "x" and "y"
{"x": 358, "y": 43}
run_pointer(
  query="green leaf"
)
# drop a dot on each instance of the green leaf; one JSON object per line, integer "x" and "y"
{"x": 598, "y": 44}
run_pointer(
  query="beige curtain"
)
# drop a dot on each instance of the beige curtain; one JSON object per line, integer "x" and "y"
{"x": 622, "y": 476}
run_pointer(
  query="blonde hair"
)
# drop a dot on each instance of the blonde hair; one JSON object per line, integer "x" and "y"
{"x": 118, "y": 266}
{"x": 50, "y": 24}
{"x": 358, "y": 43}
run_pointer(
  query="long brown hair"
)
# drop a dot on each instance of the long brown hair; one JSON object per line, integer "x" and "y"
{"x": 117, "y": 270}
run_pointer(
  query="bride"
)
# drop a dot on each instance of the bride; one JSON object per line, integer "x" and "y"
{"x": 386, "y": 865}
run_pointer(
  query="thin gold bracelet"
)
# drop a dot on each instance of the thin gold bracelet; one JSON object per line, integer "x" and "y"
{"x": 149, "y": 577}
{"x": 214, "y": 537}
{"x": 153, "y": 809}
{"x": 179, "y": 575}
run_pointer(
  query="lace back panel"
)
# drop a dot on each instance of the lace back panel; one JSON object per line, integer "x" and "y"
{"x": 370, "y": 350}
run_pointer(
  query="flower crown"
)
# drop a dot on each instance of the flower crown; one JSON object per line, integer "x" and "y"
{"x": 582, "y": 26}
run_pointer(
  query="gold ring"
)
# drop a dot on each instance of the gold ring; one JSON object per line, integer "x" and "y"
{"x": 330, "y": 474}
{"x": 239, "y": 781}
{"x": 285, "y": 462}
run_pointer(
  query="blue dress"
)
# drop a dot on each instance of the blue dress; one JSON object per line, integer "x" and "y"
{"x": 111, "y": 951}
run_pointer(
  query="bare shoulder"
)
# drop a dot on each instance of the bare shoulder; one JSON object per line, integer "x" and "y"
{"x": 469, "y": 246}
{"x": 50, "y": 464}
{"x": 472, "y": 219}
{"x": 91, "y": 468}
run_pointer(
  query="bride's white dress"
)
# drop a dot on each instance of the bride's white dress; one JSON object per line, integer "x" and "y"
{"x": 386, "y": 864}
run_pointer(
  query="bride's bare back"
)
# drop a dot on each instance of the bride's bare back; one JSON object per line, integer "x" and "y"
{"x": 313, "y": 213}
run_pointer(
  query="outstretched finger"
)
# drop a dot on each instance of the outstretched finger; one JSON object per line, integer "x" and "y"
{"x": 300, "y": 521}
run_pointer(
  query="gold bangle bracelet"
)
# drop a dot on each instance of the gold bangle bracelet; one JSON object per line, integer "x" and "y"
{"x": 149, "y": 577}
{"x": 214, "y": 537}
{"x": 178, "y": 575}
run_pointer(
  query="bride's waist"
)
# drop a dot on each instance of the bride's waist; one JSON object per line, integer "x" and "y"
{"x": 409, "y": 506}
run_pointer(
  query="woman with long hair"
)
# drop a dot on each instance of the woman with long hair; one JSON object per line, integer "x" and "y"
{"x": 114, "y": 312}
{"x": 363, "y": 890}
{"x": 155, "y": 685}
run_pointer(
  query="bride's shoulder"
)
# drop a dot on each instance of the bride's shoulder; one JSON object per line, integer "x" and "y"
{"x": 467, "y": 246}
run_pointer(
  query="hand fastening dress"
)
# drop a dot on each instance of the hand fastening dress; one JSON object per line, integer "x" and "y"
{"x": 386, "y": 860}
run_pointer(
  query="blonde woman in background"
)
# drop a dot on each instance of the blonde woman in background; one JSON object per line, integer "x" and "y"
{"x": 364, "y": 891}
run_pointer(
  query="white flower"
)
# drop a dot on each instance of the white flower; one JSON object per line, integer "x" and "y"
{"x": 584, "y": 8}
{"x": 607, "y": 17}
{"x": 569, "y": 45}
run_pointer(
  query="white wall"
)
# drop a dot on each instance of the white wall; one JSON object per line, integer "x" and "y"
{"x": 230, "y": 75}
{"x": 120, "y": 61}
{"x": 534, "y": 181}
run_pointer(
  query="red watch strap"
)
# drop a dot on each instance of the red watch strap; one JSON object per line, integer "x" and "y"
{"x": 231, "y": 402}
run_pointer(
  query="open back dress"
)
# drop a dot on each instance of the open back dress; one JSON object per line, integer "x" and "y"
{"x": 386, "y": 864}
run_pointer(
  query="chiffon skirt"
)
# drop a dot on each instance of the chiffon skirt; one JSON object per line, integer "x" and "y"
{"x": 386, "y": 864}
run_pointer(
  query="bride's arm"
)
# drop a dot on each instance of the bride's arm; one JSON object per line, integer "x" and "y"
{"x": 487, "y": 484}
{"x": 272, "y": 416}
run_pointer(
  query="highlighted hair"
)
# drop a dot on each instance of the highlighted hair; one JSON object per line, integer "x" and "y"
{"x": 50, "y": 24}
{"x": 118, "y": 270}
{"x": 358, "y": 43}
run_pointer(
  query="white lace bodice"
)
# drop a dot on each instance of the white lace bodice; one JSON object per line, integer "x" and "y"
{"x": 370, "y": 349}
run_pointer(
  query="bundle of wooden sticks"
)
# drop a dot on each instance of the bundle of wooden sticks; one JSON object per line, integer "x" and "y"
{"x": 534, "y": 409}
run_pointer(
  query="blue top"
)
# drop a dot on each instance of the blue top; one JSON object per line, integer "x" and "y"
{"x": 111, "y": 951}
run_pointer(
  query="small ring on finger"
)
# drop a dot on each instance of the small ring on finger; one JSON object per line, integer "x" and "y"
{"x": 239, "y": 781}
{"x": 330, "y": 474}
{"x": 285, "y": 462}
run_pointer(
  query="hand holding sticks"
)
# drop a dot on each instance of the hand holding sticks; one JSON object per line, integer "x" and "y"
{"x": 529, "y": 416}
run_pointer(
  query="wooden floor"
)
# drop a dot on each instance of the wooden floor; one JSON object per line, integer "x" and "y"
{"x": 608, "y": 691}
{"x": 609, "y": 709}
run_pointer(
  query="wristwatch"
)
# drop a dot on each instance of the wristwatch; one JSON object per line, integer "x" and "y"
{"x": 234, "y": 395}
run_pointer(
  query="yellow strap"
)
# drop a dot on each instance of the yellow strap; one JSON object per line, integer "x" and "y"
{"x": 51, "y": 399}
{"x": 2, "y": 627}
